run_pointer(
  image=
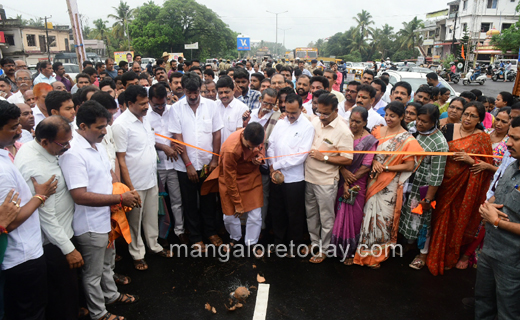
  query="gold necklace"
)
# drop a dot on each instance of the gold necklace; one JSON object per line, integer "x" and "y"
{"x": 460, "y": 131}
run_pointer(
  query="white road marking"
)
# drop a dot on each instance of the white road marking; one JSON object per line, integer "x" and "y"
{"x": 262, "y": 298}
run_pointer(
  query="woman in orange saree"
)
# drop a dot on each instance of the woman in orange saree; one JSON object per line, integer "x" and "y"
{"x": 455, "y": 220}
{"x": 384, "y": 197}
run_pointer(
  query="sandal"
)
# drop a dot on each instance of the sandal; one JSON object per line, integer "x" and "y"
{"x": 109, "y": 316}
{"x": 348, "y": 261}
{"x": 317, "y": 258}
{"x": 165, "y": 253}
{"x": 229, "y": 247}
{"x": 140, "y": 265}
{"x": 121, "y": 279}
{"x": 199, "y": 246}
{"x": 125, "y": 298}
{"x": 375, "y": 267}
{"x": 417, "y": 263}
{"x": 305, "y": 250}
{"x": 216, "y": 240}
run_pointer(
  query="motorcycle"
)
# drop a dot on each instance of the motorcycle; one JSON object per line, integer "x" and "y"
{"x": 455, "y": 78}
{"x": 480, "y": 79}
{"x": 500, "y": 73}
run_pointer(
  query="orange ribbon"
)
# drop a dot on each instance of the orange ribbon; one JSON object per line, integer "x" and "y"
{"x": 346, "y": 151}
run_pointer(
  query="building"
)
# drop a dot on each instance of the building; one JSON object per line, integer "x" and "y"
{"x": 29, "y": 43}
{"x": 433, "y": 35}
{"x": 477, "y": 17}
{"x": 96, "y": 46}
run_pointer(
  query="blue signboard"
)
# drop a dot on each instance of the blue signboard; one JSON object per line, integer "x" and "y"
{"x": 243, "y": 44}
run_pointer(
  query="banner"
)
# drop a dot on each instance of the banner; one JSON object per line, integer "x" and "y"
{"x": 243, "y": 44}
{"x": 127, "y": 56}
{"x": 77, "y": 32}
{"x": 175, "y": 56}
{"x": 191, "y": 46}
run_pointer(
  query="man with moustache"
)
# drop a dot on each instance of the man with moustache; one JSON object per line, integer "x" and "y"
{"x": 379, "y": 103}
{"x": 9, "y": 68}
{"x": 160, "y": 75}
{"x": 242, "y": 91}
{"x": 277, "y": 82}
{"x": 365, "y": 98}
{"x": 24, "y": 83}
{"x": 209, "y": 90}
{"x": 368, "y": 77}
{"x": 303, "y": 88}
{"x": 196, "y": 121}
{"x": 86, "y": 170}
{"x": 39, "y": 159}
{"x": 27, "y": 122}
{"x": 230, "y": 109}
{"x": 497, "y": 284}
{"x": 60, "y": 103}
{"x": 61, "y": 76}
{"x": 58, "y": 86}
{"x": 169, "y": 162}
{"x": 401, "y": 91}
{"x": 256, "y": 80}
{"x": 332, "y": 77}
{"x": 176, "y": 86}
{"x": 45, "y": 73}
{"x": 135, "y": 151}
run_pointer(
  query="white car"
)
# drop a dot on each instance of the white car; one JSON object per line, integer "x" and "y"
{"x": 71, "y": 69}
{"x": 416, "y": 79}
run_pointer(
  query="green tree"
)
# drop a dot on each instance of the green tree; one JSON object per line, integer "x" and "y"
{"x": 383, "y": 39}
{"x": 509, "y": 39}
{"x": 363, "y": 20}
{"x": 123, "y": 17}
{"x": 410, "y": 37}
{"x": 35, "y": 22}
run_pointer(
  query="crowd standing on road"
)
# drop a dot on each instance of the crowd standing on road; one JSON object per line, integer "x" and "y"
{"x": 268, "y": 144}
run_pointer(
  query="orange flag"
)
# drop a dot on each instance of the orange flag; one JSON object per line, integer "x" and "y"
{"x": 462, "y": 53}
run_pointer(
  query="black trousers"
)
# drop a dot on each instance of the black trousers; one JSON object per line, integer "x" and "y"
{"x": 287, "y": 211}
{"x": 199, "y": 211}
{"x": 26, "y": 290}
{"x": 62, "y": 284}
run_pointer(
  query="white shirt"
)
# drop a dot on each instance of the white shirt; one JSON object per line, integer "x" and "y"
{"x": 386, "y": 96}
{"x": 137, "y": 139}
{"x": 308, "y": 107}
{"x": 16, "y": 98}
{"x": 339, "y": 95}
{"x": 25, "y": 242}
{"x": 379, "y": 105}
{"x": 159, "y": 125}
{"x": 38, "y": 115}
{"x": 109, "y": 144}
{"x": 196, "y": 128}
{"x": 56, "y": 215}
{"x": 231, "y": 117}
{"x": 26, "y": 136}
{"x": 42, "y": 78}
{"x": 263, "y": 120}
{"x": 344, "y": 114}
{"x": 86, "y": 167}
{"x": 374, "y": 119}
{"x": 290, "y": 138}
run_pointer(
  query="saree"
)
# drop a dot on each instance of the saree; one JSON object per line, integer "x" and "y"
{"x": 347, "y": 225}
{"x": 455, "y": 220}
{"x": 384, "y": 199}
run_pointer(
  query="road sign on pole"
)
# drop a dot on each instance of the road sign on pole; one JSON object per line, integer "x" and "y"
{"x": 243, "y": 44}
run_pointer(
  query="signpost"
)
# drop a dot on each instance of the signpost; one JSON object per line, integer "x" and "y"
{"x": 191, "y": 47}
{"x": 243, "y": 44}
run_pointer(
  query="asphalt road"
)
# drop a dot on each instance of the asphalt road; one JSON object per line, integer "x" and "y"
{"x": 490, "y": 88}
{"x": 179, "y": 288}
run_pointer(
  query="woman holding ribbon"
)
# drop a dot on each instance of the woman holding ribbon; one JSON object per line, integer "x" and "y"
{"x": 385, "y": 189}
{"x": 347, "y": 224}
{"x": 415, "y": 224}
{"x": 455, "y": 220}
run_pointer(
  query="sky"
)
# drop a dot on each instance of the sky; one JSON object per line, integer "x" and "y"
{"x": 305, "y": 21}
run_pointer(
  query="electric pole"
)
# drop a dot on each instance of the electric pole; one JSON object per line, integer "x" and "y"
{"x": 276, "y": 43}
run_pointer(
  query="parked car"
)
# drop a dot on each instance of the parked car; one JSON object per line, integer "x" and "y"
{"x": 416, "y": 79}
{"x": 144, "y": 62}
{"x": 71, "y": 69}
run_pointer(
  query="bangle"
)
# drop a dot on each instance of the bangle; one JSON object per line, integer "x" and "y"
{"x": 495, "y": 224}
{"x": 42, "y": 198}
{"x": 3, "y": 230}
{"x": 188, "y": 164}
{"x": 121, "y": 203}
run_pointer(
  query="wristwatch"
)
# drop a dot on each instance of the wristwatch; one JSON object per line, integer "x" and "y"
{"x": 326, "y": 158}
{"x": 427, "y": 201}
{"x": 386, "y": 168}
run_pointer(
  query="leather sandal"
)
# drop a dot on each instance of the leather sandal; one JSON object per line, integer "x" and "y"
{"x": 199, "y": 246}
{"x": 216, "y": 240}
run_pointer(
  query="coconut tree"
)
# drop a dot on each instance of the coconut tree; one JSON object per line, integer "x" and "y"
{"x": 364, "y": 20}
{"x": 123, "y": 17}
{"x": 410, "y": 37}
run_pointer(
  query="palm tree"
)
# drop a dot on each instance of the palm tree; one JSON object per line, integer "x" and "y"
{"x": 383, "y": 39}
{"x": 123, "y": 16}
{"x": 35, "y": 22}
{"x": 409, "y": 35}
{"x": 100, "y": 28}
{"x": 364, "y": 20}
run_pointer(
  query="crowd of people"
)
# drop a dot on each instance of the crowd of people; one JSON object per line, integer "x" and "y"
{"x": 287, "y": 149}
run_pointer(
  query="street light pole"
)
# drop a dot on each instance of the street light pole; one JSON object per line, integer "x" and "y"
{"x": 284, "y": 34}
{"x": 276, "y": 13}
{"x": 47, "y": 39}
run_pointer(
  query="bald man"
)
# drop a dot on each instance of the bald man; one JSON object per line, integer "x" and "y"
{"x": 29, "y": 98}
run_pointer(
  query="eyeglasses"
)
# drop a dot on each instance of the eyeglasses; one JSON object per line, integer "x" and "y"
{"x": 65, "y": 146}
{"x": 471, "y": 115}
{"x": 351, "y": 91}
{"x": 458, "y": 109}
{"x": 321, "y": 115}
{"x": 267, "y": 104}
{"x": 23, "y": 79}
